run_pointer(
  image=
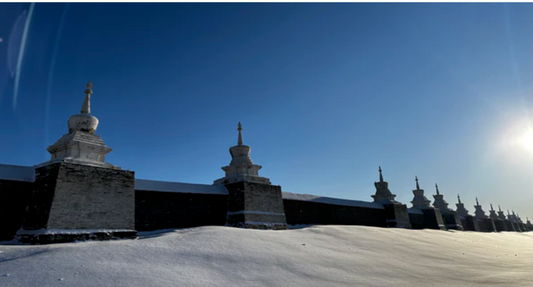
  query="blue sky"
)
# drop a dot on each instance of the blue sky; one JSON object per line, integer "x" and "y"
{"x": 325, "y": 92}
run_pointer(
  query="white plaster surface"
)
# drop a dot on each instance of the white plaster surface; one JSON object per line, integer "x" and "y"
{"x": 329, "y": 200}
{"x": 165, "y": 186}
{"x": 17, "y": 172}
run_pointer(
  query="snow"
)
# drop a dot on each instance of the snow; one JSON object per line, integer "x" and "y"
{"x": 69, "y": 231}
{"x": 414, "y": 210}
{"x": 330, "y": 200}
{"x": 165, "y": 186}
{"x": 312, "y": 256}
{"x": 17, "y": 172}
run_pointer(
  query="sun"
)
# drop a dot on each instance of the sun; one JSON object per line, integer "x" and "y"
{"x": 525, "y": 140}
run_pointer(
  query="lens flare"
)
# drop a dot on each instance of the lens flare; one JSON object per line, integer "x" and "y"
{"x": 21, "y": 54}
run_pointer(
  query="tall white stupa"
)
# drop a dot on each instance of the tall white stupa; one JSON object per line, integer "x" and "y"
{"x": 80, "y": 145}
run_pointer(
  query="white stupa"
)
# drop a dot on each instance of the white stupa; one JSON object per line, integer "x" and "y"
{"x": 479, "y": 212}
{"x": 493, "y": 214}
{"x": 501, "y": 214}
{"x": 440, "y": 203}
{"x": 241, "y": 167}
{"x": 420, "y": 201}
{"x": 80, "y": 145}
{"x": 383, "y": 194}
{"x": 461, "y": 210}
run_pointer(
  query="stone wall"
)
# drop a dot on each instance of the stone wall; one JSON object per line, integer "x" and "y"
{"x": 13, "y": 202}
{"x": 73, "y": 196}
{"x": 161, "y": 210}
{"x": 308, "y": 212}
{"x": 452, "y": 220}
{"x": 396, "y": 215}
{"x": 417, "y": 220}
{"x": 469, "y": 223}
{"x": 255, "y": 205}
{"x": 40, "y": 201}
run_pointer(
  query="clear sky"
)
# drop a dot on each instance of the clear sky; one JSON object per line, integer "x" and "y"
{"x": 326, "y": 93}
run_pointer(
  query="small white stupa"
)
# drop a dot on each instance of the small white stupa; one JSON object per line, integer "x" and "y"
{"x": 420, "y": 201}
{"x": 479, "y": 212}
{"x": 383, "y": 194}
{"x": 440, "y": 203}
{"x": 461, "y": 210}
{"x": 501, "y": 214}
{"x": 80, "y": 145}
{"x": 241, "y": 167}
{"x": 493, "y": 214}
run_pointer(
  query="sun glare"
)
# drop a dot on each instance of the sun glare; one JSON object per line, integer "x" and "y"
{"x": 525, "y": 140}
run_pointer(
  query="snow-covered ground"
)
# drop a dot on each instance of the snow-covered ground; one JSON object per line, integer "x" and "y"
{"x": 312, "y": 256}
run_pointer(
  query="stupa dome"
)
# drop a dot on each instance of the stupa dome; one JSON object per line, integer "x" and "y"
{"x": 84, "y": 121}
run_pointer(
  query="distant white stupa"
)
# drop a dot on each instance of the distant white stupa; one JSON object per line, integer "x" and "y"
{"x": 241, "y": 167}
{"x": 420, "y": 201}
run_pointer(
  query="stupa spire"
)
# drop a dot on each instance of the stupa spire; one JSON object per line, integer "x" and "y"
{"x": 437, "y": 188}
{"x": 459, "y": 199}
{"x": 380, "y": 175}
{"x": 477, "y": 202}
{"x": 239, "y": 128}
{"x": 500, "y": 208}
{"x": 416, "y": 179}
{"x": 491, "y": 208}
{"x": 86, "y": 107}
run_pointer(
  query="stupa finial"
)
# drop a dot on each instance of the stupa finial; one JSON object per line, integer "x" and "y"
{"x": 437, "y": 188}
{"x": 417, "y": 186}
{"x": 86, "y": 107}
{"x": 380, "y": 175}
{"x": 491, "y": 208}
{"x": 239, "y": 128}
{"x": 500, "y": 208}
{"x": 459, "y": 198}
{"x": 477, "y": 202}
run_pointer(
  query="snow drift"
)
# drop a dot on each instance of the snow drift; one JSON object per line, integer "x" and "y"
{"x": 312, "y": 256}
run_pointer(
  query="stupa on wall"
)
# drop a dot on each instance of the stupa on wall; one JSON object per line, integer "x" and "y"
{"x": 78, "y": 195}
{"x": 253, "y": 202}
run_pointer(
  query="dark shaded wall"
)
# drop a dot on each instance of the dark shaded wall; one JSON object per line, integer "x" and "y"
{"x": 161, "y": 210}
{"x": 469, "y": 223}
{"x": 255, "y": 205}
{"x": 486, "y": 225}
{"x": 308, "y": 212}
{"x": 13, "y": 200}
{"x": 417, "y": 220}
{"x": 452, "y": 221}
